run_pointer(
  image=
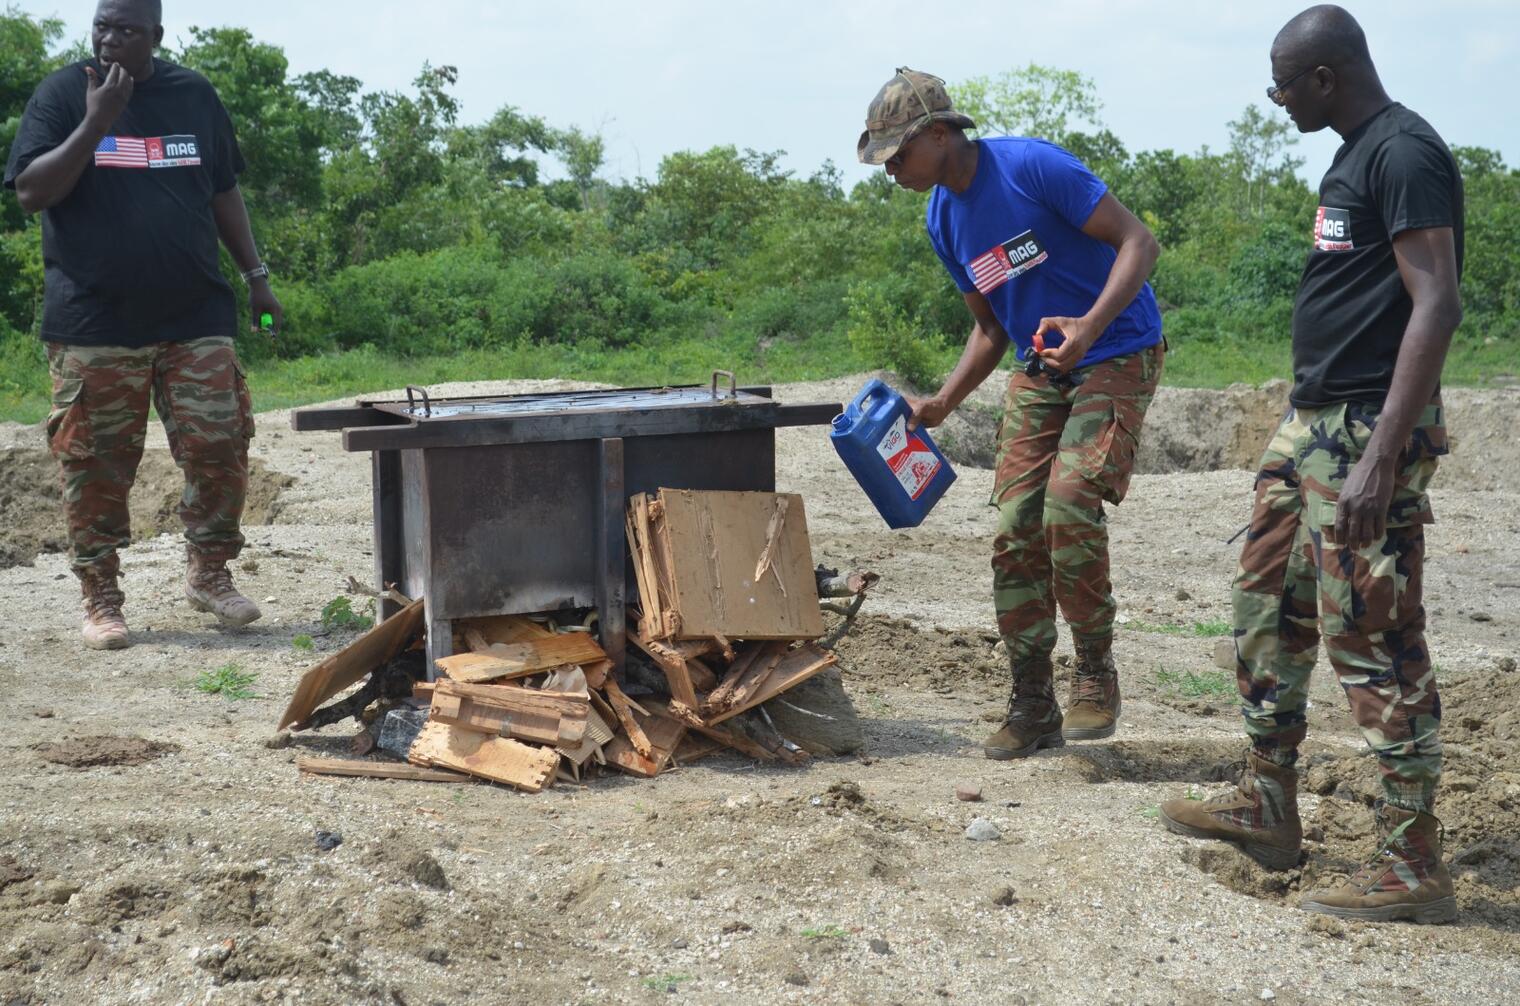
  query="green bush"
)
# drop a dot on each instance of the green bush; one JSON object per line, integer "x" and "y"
{"x": 884, "y": 335}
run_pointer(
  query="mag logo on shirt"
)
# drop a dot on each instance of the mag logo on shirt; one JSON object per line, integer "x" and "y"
{"x": 1013, "y": 257}
{"x": 148, "y": 152}
{"x": 1332, "y": 230}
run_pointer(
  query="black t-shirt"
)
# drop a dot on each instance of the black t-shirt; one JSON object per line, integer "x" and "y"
{"x": 130, "y": 255}
{"x": 1392, "y": 174}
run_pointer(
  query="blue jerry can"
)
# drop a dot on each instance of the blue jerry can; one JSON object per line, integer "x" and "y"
{"x": 902, "y": 472}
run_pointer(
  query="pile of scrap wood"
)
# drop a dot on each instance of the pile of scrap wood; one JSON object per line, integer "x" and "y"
{"x": 727, "y": 617}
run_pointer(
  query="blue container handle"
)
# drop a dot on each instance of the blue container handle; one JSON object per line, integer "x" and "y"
{"x": 873, "y": 386}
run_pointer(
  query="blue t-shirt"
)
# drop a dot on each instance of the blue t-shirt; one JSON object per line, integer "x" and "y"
{"x": 1016, "y": 235}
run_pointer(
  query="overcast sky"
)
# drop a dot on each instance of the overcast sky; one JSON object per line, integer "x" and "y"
{"x": 666, "y": 75}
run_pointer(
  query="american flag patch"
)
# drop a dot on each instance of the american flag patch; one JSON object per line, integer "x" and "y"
{"x": 148, "y": 152}
{"x": 1003, "y": 262}
{"x": 122, "y": 152}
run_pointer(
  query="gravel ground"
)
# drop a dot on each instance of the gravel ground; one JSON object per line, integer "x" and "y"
{"x": 155, "y": 848}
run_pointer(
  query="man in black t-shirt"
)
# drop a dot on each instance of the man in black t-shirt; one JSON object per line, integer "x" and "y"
{"x": 1336, "y": 543}
{"x": 133, "y": 164}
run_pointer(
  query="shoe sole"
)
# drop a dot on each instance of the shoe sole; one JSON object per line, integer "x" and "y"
{"x": 1050, "y": 740}
{"x": 1094, "y": 733}
{"x": 120, "y": 643}
{"x": 200, "y": 605}
{"x": 1268, "y": 856}
{"x": 1432, "y": 913}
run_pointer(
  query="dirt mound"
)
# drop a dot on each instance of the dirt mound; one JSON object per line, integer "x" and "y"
{"x": 31, "y": 519}
{"x": 88, "y": 752}
{"x": 891, "y": 649}
{"x": 1479, "y": 806}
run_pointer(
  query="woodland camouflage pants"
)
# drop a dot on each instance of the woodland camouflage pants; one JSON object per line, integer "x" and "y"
{"x": 1295, "y": 583}
{"x": 98, "y": 424}
{"x": 1063, "y": 451}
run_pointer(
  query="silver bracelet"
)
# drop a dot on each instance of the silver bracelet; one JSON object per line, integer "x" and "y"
{"x": 259, "y": 270}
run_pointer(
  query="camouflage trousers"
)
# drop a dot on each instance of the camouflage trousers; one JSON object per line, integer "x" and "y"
{"x": 1062, "y": 452}
{"x": 98, "y": 424}
{"x": 1296, "y": 583}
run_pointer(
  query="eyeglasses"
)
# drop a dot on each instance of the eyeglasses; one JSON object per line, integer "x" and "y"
{"x": 1278, "y": 93}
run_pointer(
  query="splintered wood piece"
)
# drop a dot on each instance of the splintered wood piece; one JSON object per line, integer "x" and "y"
{"x": 516, "y": 660}
{"x": 499, "y": 759}
{"x": 524, "y": 713}
{"x": 623, "y": 706}
{"x": 702, "y": 677}
{"x": 643, "y": 564}
{"x": 721, "y": 697}
{"x": 596, "y": 672}
{"x": 498, "y": 629}
{"x": 795, "y": 667}
{"x": 369, "y": 652}
{"x": 375, "y": 770}
{"x": 715, "y": 543}
{"x": 758, "y": 674}
{"x": 664, "y": 733}
{"x": 674, "y": 665}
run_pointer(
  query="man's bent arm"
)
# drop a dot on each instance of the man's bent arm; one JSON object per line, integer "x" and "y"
{"x": 1427, "y": 263}
{"x": 984, "y": 350}
{"x": 49, "y": 179}
{"x": 231, "y": 216}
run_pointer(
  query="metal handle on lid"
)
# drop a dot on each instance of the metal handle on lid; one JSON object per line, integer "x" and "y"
{"x": 733, "y": 383}
{"x": 411, "y": 402}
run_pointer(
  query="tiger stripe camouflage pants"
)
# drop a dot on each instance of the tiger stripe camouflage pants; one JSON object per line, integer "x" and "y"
{"x": 1295, "y": 583}
{"x": 99, "y": 422}
{"x": 1062, "y": 452}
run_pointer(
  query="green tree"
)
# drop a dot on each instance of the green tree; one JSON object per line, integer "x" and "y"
{"x": 1036, "y": 100}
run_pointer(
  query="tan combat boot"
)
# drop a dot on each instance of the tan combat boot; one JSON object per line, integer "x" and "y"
{"x": 1034, "y": 717}
{"x": 1405, "y": 880}
{"x": 1260, "y": 815}
{"x": 208, "y": 587}
{"x": 1092, "y": 709}
{"x": 105, "y": 628}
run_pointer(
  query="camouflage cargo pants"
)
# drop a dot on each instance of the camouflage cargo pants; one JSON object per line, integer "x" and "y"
{"x": 1295, "y": 582}
{"x": 1062, "y": 452}
{"x": 98, "y": 424}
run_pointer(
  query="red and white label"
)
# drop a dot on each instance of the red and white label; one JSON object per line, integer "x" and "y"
{"x": 909, "y": 458}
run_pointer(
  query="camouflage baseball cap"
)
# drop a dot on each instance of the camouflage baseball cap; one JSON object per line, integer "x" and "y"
{"x": 905, "y": 105}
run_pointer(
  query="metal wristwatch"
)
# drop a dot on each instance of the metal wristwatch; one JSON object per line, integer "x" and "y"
{"x": 259, "y": 270}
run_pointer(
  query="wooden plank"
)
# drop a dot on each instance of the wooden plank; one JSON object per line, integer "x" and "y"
{"x": 534, "y": 655}
{"x": 527, "y": 714}
{"x": 500, "y": 629}
{"x": 623, "y": 706}
{"x": 651, "y": 603}
{"x": 481, "y": 667}
{"x": 758, "y": 675}
{"x": 350, "y": 768}
{"x": 721, "y": 697}
{"x": 499, "y": 759}
{"x": 664, "y": 733}
{"x": 671, "y": 661}
{"x": 795, "y": 667}
{"x": 596, "y": 673}
{"x": 715, "y": 541}
{"x": 353, "y": 662}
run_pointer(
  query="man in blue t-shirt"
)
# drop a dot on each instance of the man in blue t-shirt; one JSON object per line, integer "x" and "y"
{"x": 1048, "y": 260}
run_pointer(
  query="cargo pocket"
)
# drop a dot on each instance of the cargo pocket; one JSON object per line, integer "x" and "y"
{"x": 1108, "y": 459}
{"x": 244, "y": 401}
{"x": 68, "y": 423}
{"x": 1375, "y": 589}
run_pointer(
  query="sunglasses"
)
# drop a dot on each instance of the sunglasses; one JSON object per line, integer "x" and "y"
{"x": 1278, "y": 93}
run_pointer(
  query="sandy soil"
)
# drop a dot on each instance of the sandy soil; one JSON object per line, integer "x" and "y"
{"x": 154, "y": 846}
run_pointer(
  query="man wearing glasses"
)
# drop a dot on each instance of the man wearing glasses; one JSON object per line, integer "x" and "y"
{"x": 1336, "y": 542}
{"x": 1049, "y": 260}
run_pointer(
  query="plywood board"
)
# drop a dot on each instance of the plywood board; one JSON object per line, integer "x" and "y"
{"x": 499, "y": 759}
{"x": 356, "y": 660}
{"x": 481, "y": 667}
{"x": 664, "y": 734}
{"x": 497, "y": 629}
{"x": 533, "y": 655}
{"x": 716, "y": 543}
{"x": 353, "y": 768}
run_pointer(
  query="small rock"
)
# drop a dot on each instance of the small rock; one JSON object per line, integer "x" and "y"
{"x": 424, "y": 869}
{"x": 279, "y": 741}
{"x": 270, "y": 599}
{"x": 880, "y": 946}
{"x": 679, "y": 943}
{"x": 967, "y": 793}
{"x": 1267, "y": 995}
{"x": 1224, "y": 654}
{"x": 249, "y": 565}
{"x": 1183, "y": 595}
{"x": 1506, "y": 664}
{"x": 1327, "y": 926}
{"x": 983, "y": 830}
{"x": 47, "y": 714}
{"x": 1065, "y": 659}
{"x": 1005, "y": 897}
{"x": 737, "y": 926}
{"x": 797, "y": 978}
{"x": 992, "y": 715}
{"x": 436, "y": 955}
{"x": 328, "y": 840}
{"x": 1481, "y": 616}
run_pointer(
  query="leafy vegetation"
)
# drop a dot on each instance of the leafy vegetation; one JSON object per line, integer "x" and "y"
{"x": 1202, "y": 629}
{"x": 409, "y": 247}
{"x": 1196, "y": 684}
{"x": 229, "y": 681}
{"x": 339, "y": 613}
{"x": 303, "y": 642}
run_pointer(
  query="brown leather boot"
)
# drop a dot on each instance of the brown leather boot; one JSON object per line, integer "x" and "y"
{"x": 1405, "y": 880}
{"x": 1092, "y": 709}
{"x": 208, "y": 587}
{"x": 105, "y": 628}
{"x": 1260, "y": 815}
{"x": 1034, "y": 717}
